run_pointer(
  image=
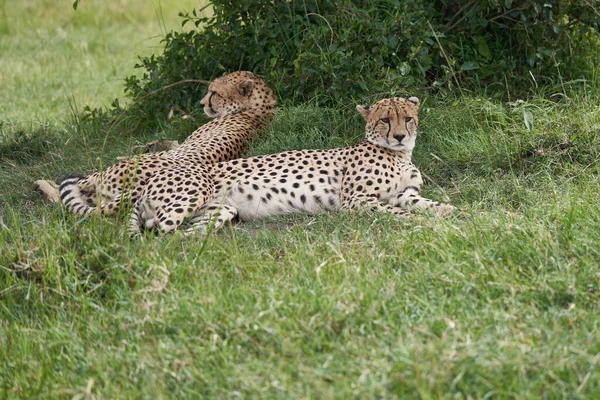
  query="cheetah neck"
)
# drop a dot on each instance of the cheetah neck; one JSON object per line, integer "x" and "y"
{"x": 229, "y": 133}
{"x": 400, "y": 155}
{"x": 263, "y": 102}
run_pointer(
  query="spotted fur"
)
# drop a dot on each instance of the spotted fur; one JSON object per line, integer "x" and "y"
{"x": 376, "y": 174}
{"x": 240, "y": 103}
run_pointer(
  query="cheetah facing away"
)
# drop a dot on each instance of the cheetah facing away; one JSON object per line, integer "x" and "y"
{"x": 240, "y": 104}
{"x": 376, "y": 174}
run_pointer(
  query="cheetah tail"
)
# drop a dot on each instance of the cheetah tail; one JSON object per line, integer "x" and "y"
{"x": 135, "y": 223}
{"x": 70, "y": 195}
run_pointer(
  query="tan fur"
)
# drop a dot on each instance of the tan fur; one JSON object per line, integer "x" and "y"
{"x": 240, "y": 104}
{"x": 376, "y": 173}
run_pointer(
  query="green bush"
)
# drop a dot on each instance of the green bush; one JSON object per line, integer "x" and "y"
{"x": 338, "y": 50}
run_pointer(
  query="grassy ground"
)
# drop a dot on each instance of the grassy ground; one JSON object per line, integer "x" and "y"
{"x": 500, "y": 300}
{"x": 55, "y": 59}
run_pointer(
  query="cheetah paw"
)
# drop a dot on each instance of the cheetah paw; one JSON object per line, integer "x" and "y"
{"x": 47, "y": 189}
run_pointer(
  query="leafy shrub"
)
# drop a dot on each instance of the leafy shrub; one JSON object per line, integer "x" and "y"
{"x": 337, "y": 50}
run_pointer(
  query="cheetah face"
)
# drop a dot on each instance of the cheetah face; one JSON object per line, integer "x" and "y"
{"x": 229, "y": 94}
{"x": 392, "y": 123}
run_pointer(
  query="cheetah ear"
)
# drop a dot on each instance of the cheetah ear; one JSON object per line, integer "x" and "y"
{"x": 415, "y": 101}
{"x": 363, "y": 110}
{"x": 245, "y": 87}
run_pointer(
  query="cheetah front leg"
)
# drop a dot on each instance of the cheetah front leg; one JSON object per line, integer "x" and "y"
{"x": 410, "y": 199}
{"x": 143, "y": 216}
{"x": 218, "y": 215}
{"x": 358, "y": 201}
{"x": 147, "y": 214}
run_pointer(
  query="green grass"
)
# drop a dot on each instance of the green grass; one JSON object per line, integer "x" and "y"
{"x": 56, "y": 60}
{"x": 500, "y": 300}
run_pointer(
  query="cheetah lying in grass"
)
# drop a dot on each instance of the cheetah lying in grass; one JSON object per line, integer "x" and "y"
{"x": 240, "y": 103}
{"x": 376, "y": 173}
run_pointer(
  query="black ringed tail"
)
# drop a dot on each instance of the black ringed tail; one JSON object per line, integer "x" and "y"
{"x": 70, "y": 195}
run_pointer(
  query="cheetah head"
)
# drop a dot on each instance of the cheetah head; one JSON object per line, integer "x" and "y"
{"x": 392, "y": 123}
{"x": 236, "y": 92}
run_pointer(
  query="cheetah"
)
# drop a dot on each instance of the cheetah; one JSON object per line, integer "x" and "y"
{"x": 377, "y": 173}
{"x": 240, "y": 104}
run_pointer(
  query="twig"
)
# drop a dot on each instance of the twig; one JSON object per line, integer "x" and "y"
{"x": 446, "y": 57}
{"x": 506, "y": 13}
{"x": 170, "y": 86}
{"x": 589, "y": 3}
{"x": 507, "y": 89}
{"x": 562, "y": 83}
{"x": 460, "y": 10}
{"x": 461, "y": 19}
{"x": 328, "y": 24}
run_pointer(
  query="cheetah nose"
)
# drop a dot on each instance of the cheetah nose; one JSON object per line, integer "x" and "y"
{"x": 399, "y": 137}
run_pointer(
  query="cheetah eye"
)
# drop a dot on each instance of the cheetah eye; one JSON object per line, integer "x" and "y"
{"x": 385, "y": 120}
{"x": 408, "y": 119}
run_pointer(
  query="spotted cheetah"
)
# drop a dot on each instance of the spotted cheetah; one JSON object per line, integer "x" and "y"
{"x": 376, "y": 173}
{"x": 240, "y": 104}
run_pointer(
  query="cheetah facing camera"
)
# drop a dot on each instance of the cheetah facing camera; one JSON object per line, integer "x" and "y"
{"x": 376, "y": 173}
{"x": 240, "y": 103}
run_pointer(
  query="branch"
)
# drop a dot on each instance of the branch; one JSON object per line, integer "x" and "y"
{"x": 170, "y": 86}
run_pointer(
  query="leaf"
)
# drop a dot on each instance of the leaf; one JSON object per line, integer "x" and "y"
{"x": 482, "y": 47}
{"x": 75, "y": 4}
{"x": 528, "y": 119}
{"x": 470, "y": 65}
